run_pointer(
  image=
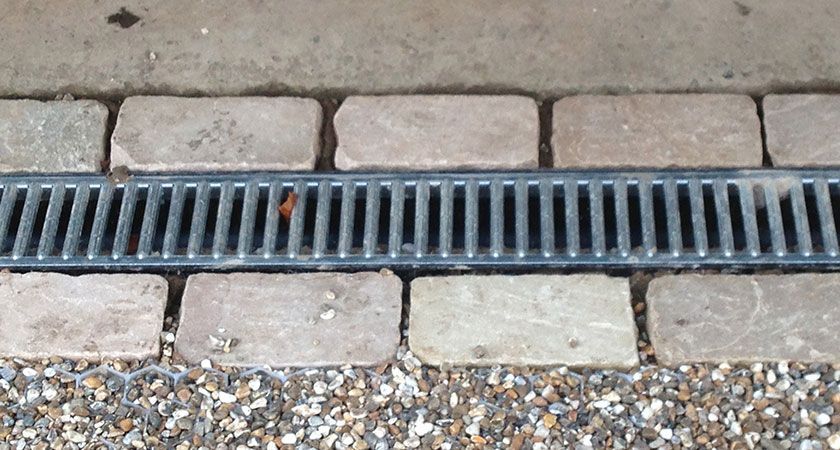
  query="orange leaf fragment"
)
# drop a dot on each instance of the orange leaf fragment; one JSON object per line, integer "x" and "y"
{"x": 288, "y": 206}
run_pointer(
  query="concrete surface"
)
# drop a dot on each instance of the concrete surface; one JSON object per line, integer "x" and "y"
{"x": 654, "y": 130}
{"x": 745, "y": 318}
{"x": 339, "y": 46}
{"x": 170, "y": 134}
{"x": 534, "y": 320}
{"x": 90, "y": 317}
{"x": 440, "y": 132}
{"x": 803, "y": 130}
{"x": 290, "y": 320}
{"x": 56, "y": 136}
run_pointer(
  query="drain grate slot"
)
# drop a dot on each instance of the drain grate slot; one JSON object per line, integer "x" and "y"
{"x": 657, "y": 219}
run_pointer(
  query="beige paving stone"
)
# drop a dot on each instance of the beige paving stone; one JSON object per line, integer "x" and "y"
{"x": 441, "y": 132}
{"x": 652, "y": 130}
{"x": 168, "y": 134}
{"x": 52, "y": 137}
{"x": 336, "y": 48}
{"x": 745, "y": 318}
{"x": 115, "y": 316}
{"x": 290, "y": 320}
{"x": 802, "y": 130}
{"x": 535, "y": 320}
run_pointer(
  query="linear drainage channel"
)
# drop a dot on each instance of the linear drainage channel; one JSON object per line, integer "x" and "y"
{"x": 546, "y": 219}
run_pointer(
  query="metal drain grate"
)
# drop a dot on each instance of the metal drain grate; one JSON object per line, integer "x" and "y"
{"x": 347, "y": 220}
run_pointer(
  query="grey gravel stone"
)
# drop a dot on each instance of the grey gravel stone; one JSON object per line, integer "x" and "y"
{"x": 437, "y": 132}
{"x": 407, "y": 405}
{"x": 290, "y": 320}
{"x": 56, "y": 136}
{"x": 705, "y": 130}
{"x": 745, "y": 318}
{"x": 802, "y": 130}
{"x": 578, "y": 320}
{"x": 86, "y": 317}
{"x": 544, "y": 46}
{"x": 167, "y": 134}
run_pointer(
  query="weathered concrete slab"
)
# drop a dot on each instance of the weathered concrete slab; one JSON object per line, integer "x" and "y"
{"x": 300, "y": 47}
{"x": 656, "y": 131}
{"x": 297, "y": 320}
{"x": 168, "y": 134}
{"x": 539, "y": 320}
{"x": 803, "y": 130}
{"x": 57, "y": 136}
{"x": 439, "y": 132}
{"x": 90, "y": 317}
{"x": 744, "y": 318}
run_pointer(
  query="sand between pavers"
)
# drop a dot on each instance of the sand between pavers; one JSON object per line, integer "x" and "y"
{"x": 290, "y": 320}
{"x": 538, "y": 320}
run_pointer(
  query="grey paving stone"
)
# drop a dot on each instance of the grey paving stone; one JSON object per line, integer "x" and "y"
{"x": 802, "y": 130}
{"x": 290, "y": 320}
{"x": 437, "y": 132}
{"x": 167, "y": 134}
{"x": 744, "y": 318}
{"x": 543, "y": 46}
{"x": 90, "y": 317}
{"x": 652, "y": 130}
{"x": 535, "y": 320}
{"x": 57, "y": 136}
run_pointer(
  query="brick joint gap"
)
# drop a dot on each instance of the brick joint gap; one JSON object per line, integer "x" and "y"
{"x": 329, "y": 140}
{"x": 546, "y": 153}
{"x": 766, "y": 160}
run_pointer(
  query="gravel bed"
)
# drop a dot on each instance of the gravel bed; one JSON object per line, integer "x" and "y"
{"x": 59, "y": 404}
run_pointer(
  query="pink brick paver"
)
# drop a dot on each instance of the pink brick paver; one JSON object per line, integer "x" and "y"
{"x": 539, "y": 320}
{"x": 440, "y": 132}
{"x": 803, "y": 130}
{"x": 167, "y": 134}
{"x": 85, "y": 317}
{"x": 652, "y": 130}
{"x": 55, "y": 136}
{"x": 290, "y": 320}
{"x": 745, "y": 318}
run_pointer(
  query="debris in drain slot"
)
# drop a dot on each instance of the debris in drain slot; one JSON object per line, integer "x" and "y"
{"x": 288, "y": 206}
{"x": 118, "y": 174}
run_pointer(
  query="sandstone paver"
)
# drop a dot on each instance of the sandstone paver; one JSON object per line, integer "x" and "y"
{"x": 656, "y": 130}
{"x": 55, "y": 136}
{"x": 437, "y": 132}
{"x": 547, "y": 47}
{"x": 290, "y": 320}
{"x": 802, "y": 130}
{"x": 81, "y": 317}
{"x": 166, "y": 134}
{"x": 745, "y": 318}
{"x": 541, "y": 320}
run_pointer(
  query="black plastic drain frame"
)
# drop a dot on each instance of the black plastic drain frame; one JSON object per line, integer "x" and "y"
{"x": 504, "y": 220}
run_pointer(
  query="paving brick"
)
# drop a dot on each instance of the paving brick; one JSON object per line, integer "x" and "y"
{"x": 705, "y": 130}
{"x": 744, "y": 318}
{"x": 335, "y": 47}
{"x": 166, "y": 134}
{"x": 291, "y": 320}
{"x": 443, "y": 132}
{"x": 85, "y": 317}
{"x": 538, "y": 320}
{"x": 802, "y": 130}
{"x": 57, "y": 136}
